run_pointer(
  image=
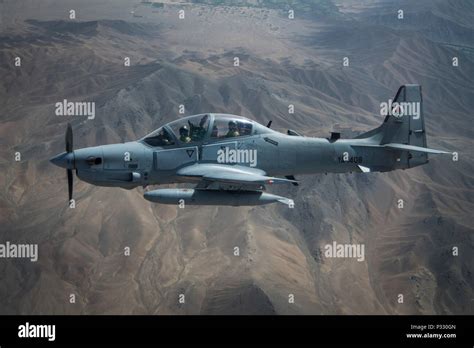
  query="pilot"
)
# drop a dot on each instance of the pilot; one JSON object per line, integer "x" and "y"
{"x": 215, "y": 132}
{"x": 233, "y": 132}
{"x": 184, "y": 134}
{"x": 163, "y": 138}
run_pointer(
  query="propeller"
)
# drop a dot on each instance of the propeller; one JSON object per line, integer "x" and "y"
{"x": 69, "y": 138}
{"x": 67, "y": 159}
{"x": 69, "y": 146}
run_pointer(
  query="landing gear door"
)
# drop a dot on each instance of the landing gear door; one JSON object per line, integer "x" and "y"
{"x": 174, "y": 158}
{"x": 211, "y": 152}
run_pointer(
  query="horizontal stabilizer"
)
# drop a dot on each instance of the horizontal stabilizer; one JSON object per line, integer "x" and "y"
{"x": 404, "y": 147}
{"x": 414, "y": 148}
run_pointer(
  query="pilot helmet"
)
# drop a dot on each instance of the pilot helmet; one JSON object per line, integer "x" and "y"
{"x": 184, "y": 130}
{"x": 232, "y": 125}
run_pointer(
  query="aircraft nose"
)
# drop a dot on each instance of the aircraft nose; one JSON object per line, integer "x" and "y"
{"x": 64, "y": 160}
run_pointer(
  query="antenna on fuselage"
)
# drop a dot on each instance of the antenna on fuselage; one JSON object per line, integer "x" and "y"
{"x": 269, "y": 124}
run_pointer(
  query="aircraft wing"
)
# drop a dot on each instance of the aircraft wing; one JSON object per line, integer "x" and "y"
{"x": 229, "y": 175}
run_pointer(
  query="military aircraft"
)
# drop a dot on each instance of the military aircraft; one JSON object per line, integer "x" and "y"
{"x": 232, "y": 159}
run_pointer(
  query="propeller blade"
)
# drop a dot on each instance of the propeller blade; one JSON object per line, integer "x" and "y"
{"x": 69, "y": 143}
{"x": 69, "y": 183}
{"x": 69, "y": 146}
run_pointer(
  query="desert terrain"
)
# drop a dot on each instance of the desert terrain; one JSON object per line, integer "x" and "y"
{"x": 191, "y": 251}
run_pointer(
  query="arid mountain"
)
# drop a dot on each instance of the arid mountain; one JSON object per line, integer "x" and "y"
{"x": 191, "y": 251}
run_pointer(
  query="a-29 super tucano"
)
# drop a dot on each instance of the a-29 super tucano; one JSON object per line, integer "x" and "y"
{"x": 232, "y": 159}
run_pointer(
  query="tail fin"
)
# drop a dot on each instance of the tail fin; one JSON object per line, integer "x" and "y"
{"x": 403, "y": 124}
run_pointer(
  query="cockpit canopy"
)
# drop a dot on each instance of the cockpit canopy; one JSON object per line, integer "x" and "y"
{"x": 197, "y": 128}
{"x": 160, "y": 137}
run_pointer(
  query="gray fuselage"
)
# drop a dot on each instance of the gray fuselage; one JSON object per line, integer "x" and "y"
{"x": 136, "y": 163}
